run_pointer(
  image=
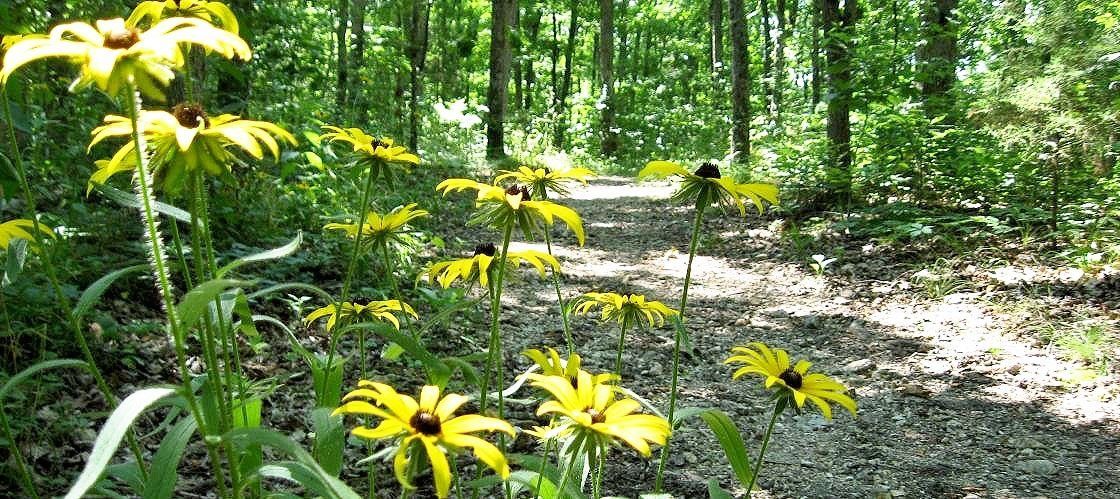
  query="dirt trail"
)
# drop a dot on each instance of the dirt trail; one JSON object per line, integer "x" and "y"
{"x": 952, "y": 403}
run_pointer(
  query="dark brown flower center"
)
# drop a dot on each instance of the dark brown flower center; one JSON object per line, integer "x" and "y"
{"x": 121, "y": 39}
{"x": 791, "y": 377}
{"x": 515, "y": 189}
{"x": 708, "y": 170}
{"x": 189, "y": 115}
{"x": 425, "y": 422}
{"x": 378, "y": 144}
{"x": 596, "y": 416}
{"x": 487, "y": 249}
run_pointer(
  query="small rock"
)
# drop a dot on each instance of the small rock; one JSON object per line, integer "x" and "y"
{"x": 857, "y": 327}
{"x": 741, "y": 322}
{"x": 915, "y": 390}
{"x": 859, "y": 366}
{"x": 777, "y": 313}
{"x": 1044, "y": 467}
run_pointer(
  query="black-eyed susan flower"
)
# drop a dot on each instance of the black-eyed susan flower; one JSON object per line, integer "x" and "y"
{"x": 151, "y": 12}
{"x": 503, "y": 207}
{"x": 706, "y": 186}
{"x": 113, "y": 53}
{"x": 542, "y": 181}
{"x": 381, "y": 229}
{"x": 794, "y": 382}
{"x": 384, "y": 311}
{"x": 624, "y": 309}
{"x": 426, "y": 425}
{"x": 479, "y": 265}
{"x": 187, "y": 140}
{"x": 591, "y": 410}
{"x": 374, "y": 153}
{"x": 21, "y": 228}
{"x": 552, "y": 365}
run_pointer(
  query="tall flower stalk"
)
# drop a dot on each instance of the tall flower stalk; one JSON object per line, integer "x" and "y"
{"x": 703, "y": 188}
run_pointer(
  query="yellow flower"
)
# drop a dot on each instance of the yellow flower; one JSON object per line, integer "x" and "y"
{"x": 427, "y": 422}
{"x": 112, "y": 53}
{"x": 628, "y": 309}
{"x": 155, "y": 11}
{"x": 545, "y": 180}
{"x": 379, "y": 228}
{"x": 500, "y": 207}
{"x": 21, "y": 228}
{"x": 773, "y": 365}
{"x": 478, "y": 266}
{"x": 706, "y": 186}
{"x": 377, "y": 310}
{"x": 590, "y": 409}
{"x": 376, "y": 154}
{"x": 552, "y": 365}
{"x": 185, "y": 140}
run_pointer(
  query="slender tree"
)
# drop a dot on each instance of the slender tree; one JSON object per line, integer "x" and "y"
{"x": 838, "y": 38}
{"x": 561, "y": 99}
{"x": 815, "y": 53}
{"x": 357, "y": 59}
{"x": 715, "y": 23}
{"x": 418, "y": 56}
{"x": 532, "y": 33}
{"x": 740, "y": 83}
{"x": 937, "y": 57}
{"x": 341, "y": 44}
{"x": 767, "y": 76}
{"x": 497, "y": 96}
{"x": 606, "y": 70}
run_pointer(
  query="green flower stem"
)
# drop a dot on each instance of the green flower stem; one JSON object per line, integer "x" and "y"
{"x": 694, "y": 242}
{"x": 600, "y": 464}
{"x": 781, "y": 405}
{"x": 390, "y": 274}
{"x": 155, "y": 246}
{"x": 560, "y": 296}
{"x": 52, "y": 276}
{"x": 21, "y": 464}
{"x": 544, "y": 460}
{"x": 494, "y": 360}
{"x": 351, "y": 269}
{"x": 621, "y": 344}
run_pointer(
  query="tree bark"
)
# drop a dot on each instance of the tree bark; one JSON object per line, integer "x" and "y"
{"x": 780, "y": 59}
{"x": 418, "y": 57}
{"x": 937, "y": 58}
{"x": 341, "y": 44}
{"x": 606, "y": 69}
{"x": 357, "y": 59}
{"x": 767, "y": 76}
{"x": 740, "y": 83}
{"x": 497, "y": 95}
{"x": 533, "y": 29}
{"x": 838, "y": 39}
{"x": 715, "y": 21}
{"x": 516, "y": 56}
{"x": 815, "y": 55}
{"x": 561, "y": 103}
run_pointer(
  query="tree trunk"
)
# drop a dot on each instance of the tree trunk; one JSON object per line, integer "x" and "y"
{"x": 767, "y": 56}
{"x": 357, "y": 59}
{"x": 341, "y": 44}
{"x": 740, "y": 83}
{"x": 838, "y": 39}
{"x": 561, "y": 103}
{"x": 533, "y": 29}
{"x": 418, "y": 57}
{"x": 715, "y": 21}
{"x": 937, "y": 58}
{"x": 780, "y": 58}
{"x": 554, "y": 74}
{"x": 516, "y": 55}
{"x": 606, "y": 70}
{"x": 497, "y": 95}
{"x": 815, "y": 56}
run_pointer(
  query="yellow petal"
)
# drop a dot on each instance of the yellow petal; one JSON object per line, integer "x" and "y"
{"x": 661, "y": 169}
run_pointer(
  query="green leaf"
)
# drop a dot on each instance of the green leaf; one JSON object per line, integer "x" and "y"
{"x": 271, "y": 254}
{"x": 314, "y": 160}
{"x": 197, "y": 301}
{"x": 330, "y": 439}
{"x": 303, "y": 470}
{"x": 111, "y": 434}
{"x": 128, "y": 199}
{"x": 93, "y": 293}
{"x": 13, "y": 264}
{"x": 34, "y": 369}
{"x": 551, "y": 476}
{"x": 732, "y": 442}
{"x": 165, "y": 463}
{"x": 715, "y": 491}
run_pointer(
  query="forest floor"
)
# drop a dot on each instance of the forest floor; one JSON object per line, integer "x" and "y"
{"x": 961, "y": 391}
{"x": 958, "y": 395}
